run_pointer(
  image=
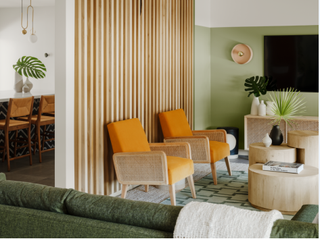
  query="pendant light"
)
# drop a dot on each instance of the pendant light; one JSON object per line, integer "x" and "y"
{"x": 33, "y": 37}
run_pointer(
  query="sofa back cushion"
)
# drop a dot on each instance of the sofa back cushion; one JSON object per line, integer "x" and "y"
{"x": 117, "y": 210}
{"x": 31, "y": 195}
{"x": 2, "y": 176}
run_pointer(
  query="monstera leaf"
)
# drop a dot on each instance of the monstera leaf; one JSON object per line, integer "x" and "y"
{"x": 30, "y": 66}
{"x": 256, "y": 85}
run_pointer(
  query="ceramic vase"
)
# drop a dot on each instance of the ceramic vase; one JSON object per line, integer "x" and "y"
{"x": 267, "y": 141}
{"x": 29, "y": 84}
{"x": 25, "y": 88}
{"x": 254, "y": 106}
{"x": 18, "y": 84}
{"x": 262, "y": 109}
{"x": 269, "y": 108}
{"x": 276, "y": 135}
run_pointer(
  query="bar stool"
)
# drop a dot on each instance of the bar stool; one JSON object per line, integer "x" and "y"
{"x": 46, "y": 106}
{"x": 17, "y": 108}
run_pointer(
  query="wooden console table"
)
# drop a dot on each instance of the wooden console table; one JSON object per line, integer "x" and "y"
{"x": 256, "y": 127}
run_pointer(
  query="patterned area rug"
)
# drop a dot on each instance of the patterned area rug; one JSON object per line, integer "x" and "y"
{"x": 156, "y": 195}
{"x": 230, "y": 190}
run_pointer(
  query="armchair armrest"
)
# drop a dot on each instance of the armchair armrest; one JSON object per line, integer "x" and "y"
{"x": 219, "y": 135}
{"x": 200, "y": 148}
{"x": 178, "y": 149}
{"x": 141, "y": 168}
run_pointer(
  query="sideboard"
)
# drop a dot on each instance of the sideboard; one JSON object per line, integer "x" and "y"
{"x": 256, "y": 127}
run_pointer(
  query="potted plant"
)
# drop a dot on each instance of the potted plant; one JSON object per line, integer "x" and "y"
{"x": 287, "y": 103}
{"x": 30, "y": 66}
{"x": 256, "y": 85}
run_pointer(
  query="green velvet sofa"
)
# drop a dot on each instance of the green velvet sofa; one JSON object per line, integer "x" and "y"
{"x": 34, "y": 210}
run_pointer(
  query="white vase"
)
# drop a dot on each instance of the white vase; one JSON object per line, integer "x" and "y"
{"x": 29, "y": 84}
{"x": 18, "y": 83}
{"x": 269, "y": 108}
{"x": 262, "y": 109}
{"x": 254, "y": 106}
{"x": 25, "y": 88}
{"x": 267, "y": 141}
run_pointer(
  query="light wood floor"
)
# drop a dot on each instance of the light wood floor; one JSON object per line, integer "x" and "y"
{"x": 42, "y": 173}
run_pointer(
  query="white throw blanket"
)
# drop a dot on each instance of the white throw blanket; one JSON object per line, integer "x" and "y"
{"x": 207, "y": 220}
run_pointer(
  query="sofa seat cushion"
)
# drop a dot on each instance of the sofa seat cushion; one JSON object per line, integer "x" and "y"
{"x": 31, "y": 195}
{"x": 179, "y": 168}
{"x": 218, "y": 150}
{"x": 17, "y": 222}
{"x": 294, "y": 229}
{"x": 111, "y": 209}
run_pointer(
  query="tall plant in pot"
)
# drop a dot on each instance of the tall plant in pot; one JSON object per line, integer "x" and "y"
{"x": 256, "y": 85}
{"x": 287, "y": 104}
{"x": 30, "y": 66}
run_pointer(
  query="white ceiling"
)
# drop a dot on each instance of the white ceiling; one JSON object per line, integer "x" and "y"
{"x": 35, "y": 3}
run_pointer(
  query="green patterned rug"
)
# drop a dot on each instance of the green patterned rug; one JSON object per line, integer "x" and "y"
{"x": 230, "y": 190}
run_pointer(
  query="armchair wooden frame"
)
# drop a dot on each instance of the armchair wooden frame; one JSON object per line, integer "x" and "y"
{"x": 150, "y": 168}
{"x": 200, "y": 147}
{"x": 17, "y": 108}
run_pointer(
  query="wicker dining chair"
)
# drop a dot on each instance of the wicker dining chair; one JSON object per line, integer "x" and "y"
{"x": 17, "y": 108}
{"x": 139, "y": 163}
{"x": 43, "y": 119}
{"x": 207, "y": 146}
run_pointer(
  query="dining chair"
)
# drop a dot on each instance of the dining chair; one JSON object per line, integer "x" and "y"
{"x": 17, "y": 107}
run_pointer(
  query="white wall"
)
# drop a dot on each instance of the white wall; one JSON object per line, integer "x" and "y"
{"x": 64, "y": 121}
{"x": 13, "y": 45}
{"x": 246, "y": 13}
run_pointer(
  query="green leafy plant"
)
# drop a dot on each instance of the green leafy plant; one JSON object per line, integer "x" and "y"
{"x": 256, "y": 85}
{"x": 287, "y": 103}
{"x": 30, "y": 66}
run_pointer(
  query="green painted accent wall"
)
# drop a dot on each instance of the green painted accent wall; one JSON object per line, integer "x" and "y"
{"x": 229, "y": 101}
{"x": 202, "y": 78}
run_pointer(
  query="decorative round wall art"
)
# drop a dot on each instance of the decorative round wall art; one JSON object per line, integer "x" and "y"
{"x": 241, "y": 53}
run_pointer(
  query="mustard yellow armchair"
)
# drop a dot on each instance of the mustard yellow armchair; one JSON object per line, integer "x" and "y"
{"x": 139, "y": 163}
{"x": 207, "y": 146}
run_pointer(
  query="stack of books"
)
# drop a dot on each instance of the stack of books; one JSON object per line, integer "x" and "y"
{"x": 283, "y": 167}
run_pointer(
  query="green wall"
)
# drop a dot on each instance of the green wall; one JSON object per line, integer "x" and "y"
{"x": 202, "y": 78}
{"x": 229, "y": 101}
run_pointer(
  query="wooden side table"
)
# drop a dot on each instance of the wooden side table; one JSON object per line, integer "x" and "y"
{"x": 286, "y": 192}
{"x": 307, "y": 144}
{"x": 258, "y": 153}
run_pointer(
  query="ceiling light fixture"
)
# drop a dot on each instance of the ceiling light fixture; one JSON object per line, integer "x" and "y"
{"x": 33, "y": 38}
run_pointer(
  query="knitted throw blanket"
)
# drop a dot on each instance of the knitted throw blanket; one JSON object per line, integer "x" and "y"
{"x": 207, "y": 220}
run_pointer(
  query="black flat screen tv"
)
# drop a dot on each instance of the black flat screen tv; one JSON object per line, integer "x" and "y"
{"x": 292, "y": 61}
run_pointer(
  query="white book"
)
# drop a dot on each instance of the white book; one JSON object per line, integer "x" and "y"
{"x": 283, "y": 167}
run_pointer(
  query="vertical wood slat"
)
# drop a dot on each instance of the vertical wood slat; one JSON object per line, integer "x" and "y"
{"x": 130, "y": 62}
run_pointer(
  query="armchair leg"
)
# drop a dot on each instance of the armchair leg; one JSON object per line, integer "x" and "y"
{"x": 226, "y": 159}
{"x": 124, "y": 190}
{"x": 191, "y": 185}
{"x": 172, "y": 192}
{"x": 214, "y": 173}
{"x": 146, "y": 188}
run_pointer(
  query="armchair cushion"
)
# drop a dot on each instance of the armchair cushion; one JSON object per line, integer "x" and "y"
{"x": 218, "y": 150}
{"x": 178, "y": 168}
{"x": 128, "y": 136}
{"x": 174, "y": 124}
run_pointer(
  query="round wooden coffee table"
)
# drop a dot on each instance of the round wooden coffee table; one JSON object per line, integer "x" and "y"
{"x": 258, "y": 153}
{"x": 286, "y": 192}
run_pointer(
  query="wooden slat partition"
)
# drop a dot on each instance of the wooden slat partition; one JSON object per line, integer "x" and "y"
{"x": 130, "y": 62}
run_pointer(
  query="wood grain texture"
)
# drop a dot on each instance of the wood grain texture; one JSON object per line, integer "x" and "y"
{"x": 286, "y": 192}
{"x": 307, "y": 144}
{"x": 129, "y": 63}
{"x": 259, "y": 153}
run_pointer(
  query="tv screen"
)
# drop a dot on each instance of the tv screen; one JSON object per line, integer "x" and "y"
{"x": 292, "y": 61}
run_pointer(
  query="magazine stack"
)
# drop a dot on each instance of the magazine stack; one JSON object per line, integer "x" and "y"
{"x": 283, "y": 167}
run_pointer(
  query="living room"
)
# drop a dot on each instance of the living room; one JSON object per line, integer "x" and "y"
{"x": 216, "y": 97}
